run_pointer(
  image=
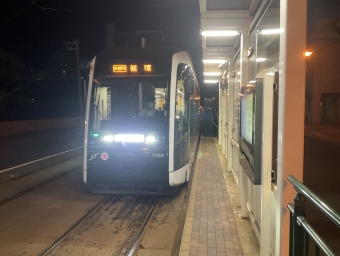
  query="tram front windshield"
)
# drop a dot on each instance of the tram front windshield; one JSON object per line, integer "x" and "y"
{"x": 128, "y": 105}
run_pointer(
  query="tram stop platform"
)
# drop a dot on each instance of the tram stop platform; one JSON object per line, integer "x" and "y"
{"x": 213, "y": 223}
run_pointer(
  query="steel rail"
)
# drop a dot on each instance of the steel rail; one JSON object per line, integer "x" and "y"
{"x": 146, "y": 222}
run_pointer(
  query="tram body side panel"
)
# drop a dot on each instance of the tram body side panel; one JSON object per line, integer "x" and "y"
{"x": 182, "y": 134}
{"x": 87, "y": 116}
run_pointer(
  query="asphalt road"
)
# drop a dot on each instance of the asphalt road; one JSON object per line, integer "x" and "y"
{"x": 20, "y": 149}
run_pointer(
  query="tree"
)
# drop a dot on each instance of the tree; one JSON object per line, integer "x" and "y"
{"x": 16, "y": 87}
{"x": 15, "y": 78}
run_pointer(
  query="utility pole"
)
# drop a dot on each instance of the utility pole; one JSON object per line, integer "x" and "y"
{"x": 70, "y": 48}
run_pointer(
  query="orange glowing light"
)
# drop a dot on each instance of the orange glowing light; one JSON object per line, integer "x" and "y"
{"x": 119, "y": 68}
{"x": 307, "y": 54}
{"x": 147, "y": 68}
{"x": 133, "y": 69}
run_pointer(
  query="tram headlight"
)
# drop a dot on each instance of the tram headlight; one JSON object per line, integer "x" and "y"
{"x": 150, "y": 139}
{"x": 108, "y": 138}
{"x": 129, "y": 138}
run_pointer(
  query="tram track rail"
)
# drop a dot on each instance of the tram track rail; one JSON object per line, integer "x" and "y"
{"x": 126, "y": 218}
{"x": 131, "y": 247}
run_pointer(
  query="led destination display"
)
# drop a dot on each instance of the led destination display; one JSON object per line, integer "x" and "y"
{"x": 131, "y": 68}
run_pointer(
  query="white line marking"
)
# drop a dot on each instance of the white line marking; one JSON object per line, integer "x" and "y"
{"x": 6, "y": 170}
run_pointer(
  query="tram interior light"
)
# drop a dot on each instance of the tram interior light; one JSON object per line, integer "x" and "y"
{"x": 210, "y": 81}
{"x": 212, "y": 73}
{"x": 220, "y": 33}
{"x": 214, "y": 61}
{"x": 271, "y": 31}
{"x": 307, "y": 54}
{"x": 260, "y": 59}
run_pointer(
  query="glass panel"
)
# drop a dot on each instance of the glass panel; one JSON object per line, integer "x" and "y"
{"x": 117, "y": 102}
{"x": 252, "y": 57}
{"x": 180, "y": 100}
{"x": 237, "y": 86}
{"x": 268, "y": 40}
{"x": 181, "y": 135}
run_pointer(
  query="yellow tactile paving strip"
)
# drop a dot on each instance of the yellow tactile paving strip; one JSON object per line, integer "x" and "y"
{"x": 210, "y": 228}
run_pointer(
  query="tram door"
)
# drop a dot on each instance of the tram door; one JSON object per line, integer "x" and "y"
{"x": 181, "y": 131}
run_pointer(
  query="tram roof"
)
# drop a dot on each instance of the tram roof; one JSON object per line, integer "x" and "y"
{"x": 133, "y": 53}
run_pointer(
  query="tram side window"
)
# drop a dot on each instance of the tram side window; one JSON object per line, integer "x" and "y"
{"x": 113, "y": 103}
{"x": 180, "y": 100}
{"x": 182, "y": 107}
{"x": 101, "y": 106}
{"x": 153, "y": 100}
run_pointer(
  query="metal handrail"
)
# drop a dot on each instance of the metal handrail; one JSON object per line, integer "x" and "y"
{"x": 212, "y": 120}
{"x": 331, "y": 213}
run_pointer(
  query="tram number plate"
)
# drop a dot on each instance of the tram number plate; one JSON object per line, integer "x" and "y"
{"x": 158, "y": 155}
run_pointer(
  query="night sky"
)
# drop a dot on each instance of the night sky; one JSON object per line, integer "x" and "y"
{"x": 36, "y": 29}
{"x": 36, "y": 32}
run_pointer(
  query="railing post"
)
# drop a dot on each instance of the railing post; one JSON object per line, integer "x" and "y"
{"x": 300, "y": 229}
{"x": 297, "y": 233}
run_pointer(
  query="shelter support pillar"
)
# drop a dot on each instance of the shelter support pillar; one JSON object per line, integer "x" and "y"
{"x": 293, "y": 15}
{"x": 267, "y": 140}
{"x": 220, "y": 115}
{"x": 223, "y": 112}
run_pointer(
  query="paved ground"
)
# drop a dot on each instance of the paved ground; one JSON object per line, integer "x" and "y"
{"x": 210, "y": 227}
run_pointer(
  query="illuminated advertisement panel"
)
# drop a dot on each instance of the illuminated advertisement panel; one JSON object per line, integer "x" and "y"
{"x": 247, "y": 118}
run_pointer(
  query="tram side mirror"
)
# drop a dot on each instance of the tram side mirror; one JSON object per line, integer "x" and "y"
{"x": 189, "y": 86}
